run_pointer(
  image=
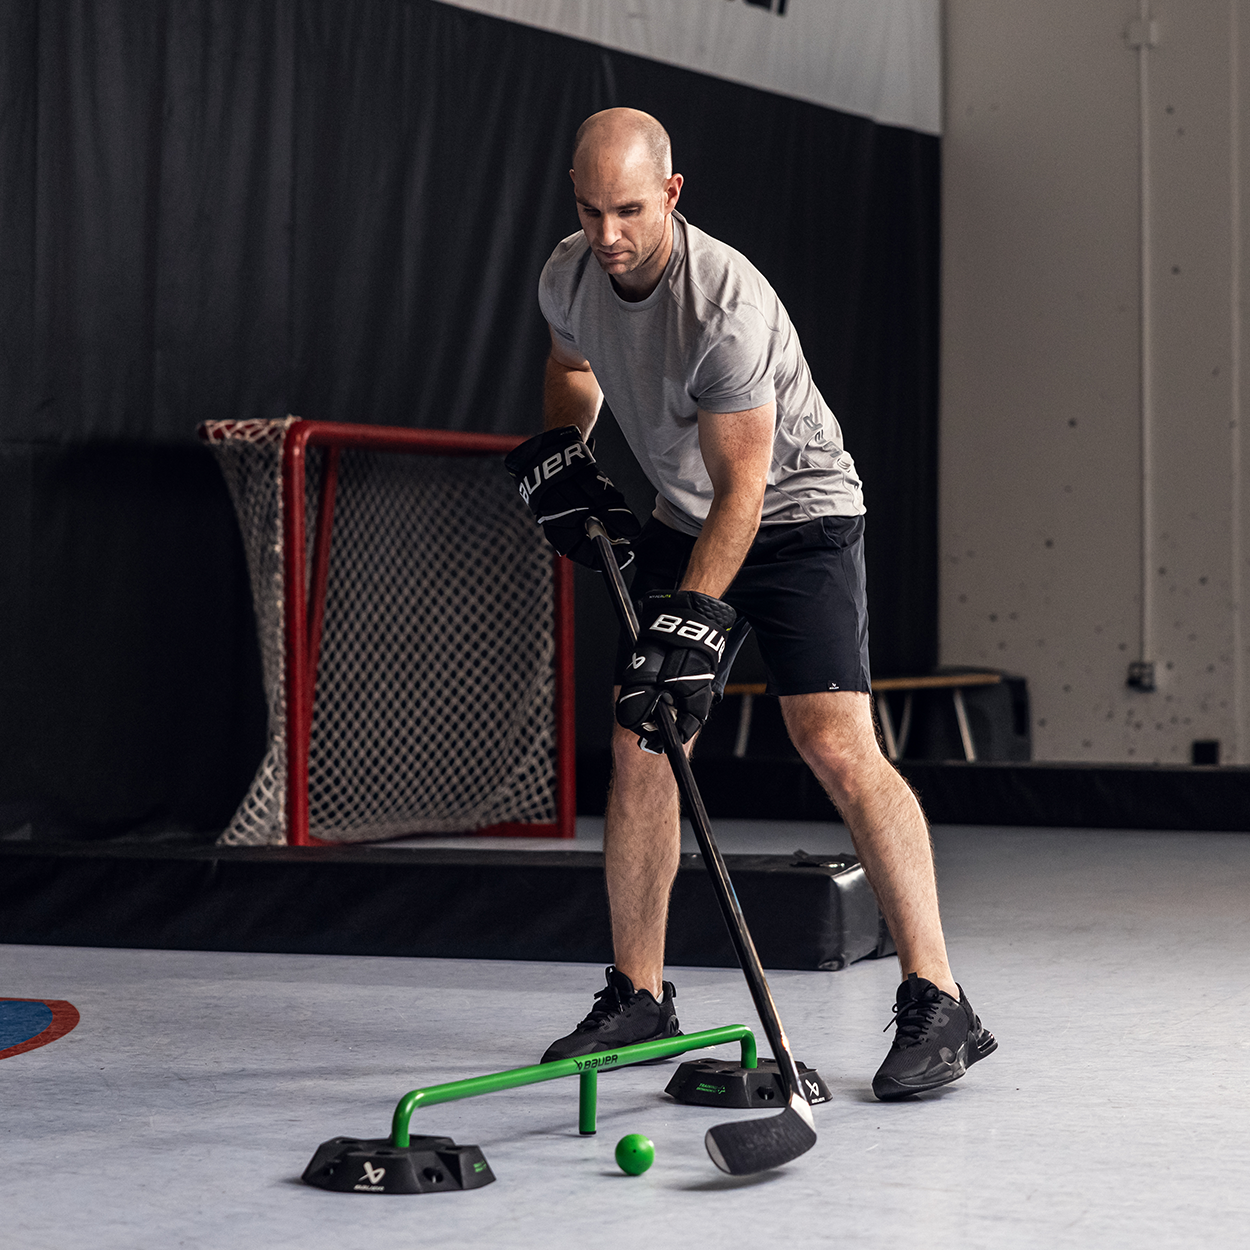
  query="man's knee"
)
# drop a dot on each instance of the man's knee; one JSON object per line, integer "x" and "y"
{"x": 846, "y": 767}
{"x": 837, "y": 737}
{"x": 843, "y": 749}
{"x": 631, "y": 765}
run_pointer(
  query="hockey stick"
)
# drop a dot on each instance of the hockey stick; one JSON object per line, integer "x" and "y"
{"x": 741, "y": 1147}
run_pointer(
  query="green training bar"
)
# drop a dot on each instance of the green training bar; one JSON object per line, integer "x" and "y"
{"x": 586, "y": 1067}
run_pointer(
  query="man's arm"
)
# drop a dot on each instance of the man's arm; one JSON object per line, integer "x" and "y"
{"x": 737, "y": 450}
{"x": 683, "y": 633}
{"x": 571, "y": 394}
{"x": 556, "y": 473}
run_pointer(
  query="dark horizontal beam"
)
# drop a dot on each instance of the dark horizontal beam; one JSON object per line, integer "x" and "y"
{"x": 1072, "y": 796}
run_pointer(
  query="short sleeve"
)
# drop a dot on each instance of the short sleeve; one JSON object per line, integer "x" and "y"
{"x": 737, "y": 371}
{"x": 550, "y": 301}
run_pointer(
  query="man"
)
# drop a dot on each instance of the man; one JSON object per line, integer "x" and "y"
{"x": 758, "y": 524}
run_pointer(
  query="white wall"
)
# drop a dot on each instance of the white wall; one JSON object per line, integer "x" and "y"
{"x": 1041, "y": 481}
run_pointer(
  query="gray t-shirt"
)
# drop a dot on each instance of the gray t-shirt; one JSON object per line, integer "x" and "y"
{"x": 712, "y": 335}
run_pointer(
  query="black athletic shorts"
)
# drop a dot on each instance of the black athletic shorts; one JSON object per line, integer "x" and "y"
{"x": 801, "y": 589}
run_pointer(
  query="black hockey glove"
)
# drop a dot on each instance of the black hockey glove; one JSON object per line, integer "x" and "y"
{"x": 680, "y": 642}
{"x": 559, "y": 479}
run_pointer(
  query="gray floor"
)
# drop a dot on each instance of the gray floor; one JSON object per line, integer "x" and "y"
{"x": 1114, "y": 968}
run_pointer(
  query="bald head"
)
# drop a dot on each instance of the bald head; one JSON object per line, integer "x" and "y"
{"x": 626, "y": 137}
{"x": 626, "y": 192}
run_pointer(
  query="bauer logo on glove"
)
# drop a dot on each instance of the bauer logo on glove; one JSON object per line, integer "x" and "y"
{"x": 696, "y": 631}
{"x": 559, "y": 480}
{"x": 575, "y": 451}
{"x": 674, "y": 661}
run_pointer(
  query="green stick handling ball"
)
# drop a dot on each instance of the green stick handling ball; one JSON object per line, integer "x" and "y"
{"x": 635, "y": 1153}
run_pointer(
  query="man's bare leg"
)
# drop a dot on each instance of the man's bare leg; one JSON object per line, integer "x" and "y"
{"x": 641, "y": 848}
{"x": 835, "y": 735}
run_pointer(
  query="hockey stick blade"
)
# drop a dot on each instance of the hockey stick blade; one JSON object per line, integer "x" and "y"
{"x": 745, "y": 1147}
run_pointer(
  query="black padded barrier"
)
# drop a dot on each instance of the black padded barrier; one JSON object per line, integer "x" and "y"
{"x": 453, "y": 904}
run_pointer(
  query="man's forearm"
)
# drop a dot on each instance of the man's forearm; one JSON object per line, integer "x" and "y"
{"x": 730, "y": 528}
{"x": 737, "y": 450}
{"x": 570, "y": 397}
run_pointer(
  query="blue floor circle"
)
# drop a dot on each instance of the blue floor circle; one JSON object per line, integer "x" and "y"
{"x": 20, "y": 1021}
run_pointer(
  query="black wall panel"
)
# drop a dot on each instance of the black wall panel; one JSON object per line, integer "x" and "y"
{"x": 224, "y": 208}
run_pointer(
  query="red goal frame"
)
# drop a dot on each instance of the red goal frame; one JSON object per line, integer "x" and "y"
{"x": 304, "y": 606}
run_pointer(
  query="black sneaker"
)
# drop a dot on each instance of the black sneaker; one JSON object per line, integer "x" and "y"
{"x": 937, "y": 1041}
{"x": 621, "y": 1016}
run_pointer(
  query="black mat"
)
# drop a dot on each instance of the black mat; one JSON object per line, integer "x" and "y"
{"x": 378, "y": 900}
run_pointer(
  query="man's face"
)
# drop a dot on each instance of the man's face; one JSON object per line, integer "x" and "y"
{"x": 623, "y": 204}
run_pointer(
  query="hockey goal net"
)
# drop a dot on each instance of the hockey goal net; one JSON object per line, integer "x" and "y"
{"x": 415, "y": 636}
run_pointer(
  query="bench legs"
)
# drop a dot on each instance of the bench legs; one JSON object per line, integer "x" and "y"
{"x": 896, "y": 743}
{"x": 961, "y": 715}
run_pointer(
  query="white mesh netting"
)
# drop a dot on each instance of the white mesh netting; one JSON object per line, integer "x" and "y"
{"x": 434, "y": 708}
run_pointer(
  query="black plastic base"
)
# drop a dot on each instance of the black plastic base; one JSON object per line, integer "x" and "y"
{"x": 430, "y": 1165}
{"x": 720, "y": 1083}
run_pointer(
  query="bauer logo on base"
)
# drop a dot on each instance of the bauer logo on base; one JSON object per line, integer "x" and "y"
{"x": 373, "y": 1176}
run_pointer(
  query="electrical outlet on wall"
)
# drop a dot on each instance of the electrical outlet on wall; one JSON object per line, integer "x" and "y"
{"x": 1205, "y": 751}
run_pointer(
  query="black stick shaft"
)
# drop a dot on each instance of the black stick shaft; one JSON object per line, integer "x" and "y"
{"x": 739, "y": 934}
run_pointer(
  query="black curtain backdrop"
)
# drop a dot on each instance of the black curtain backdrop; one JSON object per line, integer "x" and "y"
{"x": 231, "y": 208}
